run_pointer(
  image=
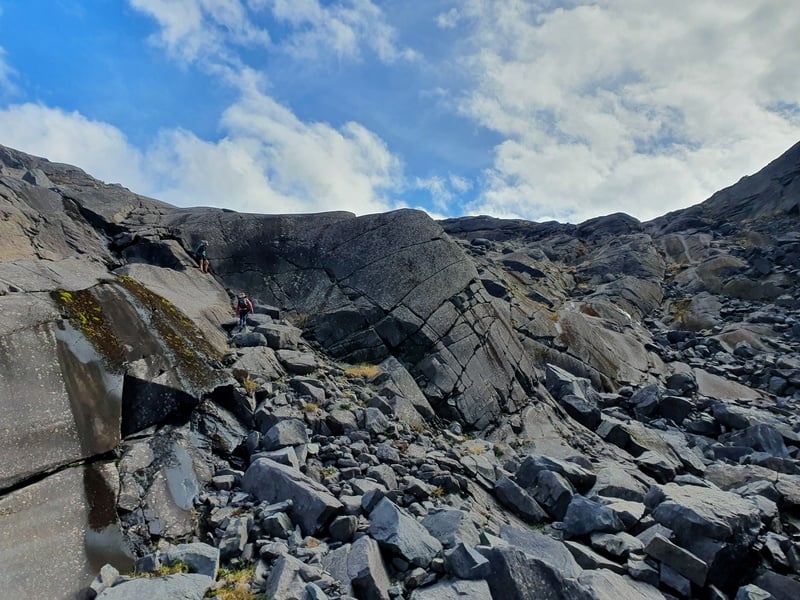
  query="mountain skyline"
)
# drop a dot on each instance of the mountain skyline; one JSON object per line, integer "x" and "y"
{"x": 536, "y": 110}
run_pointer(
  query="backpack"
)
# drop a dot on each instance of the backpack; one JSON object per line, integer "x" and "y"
{"x": 243, "y": 304}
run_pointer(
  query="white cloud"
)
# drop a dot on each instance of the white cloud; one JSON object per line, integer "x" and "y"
{"x": 444, "y": 191}
{"x": 349, "y": 168}
{"x": 98, "y": 148}
{"x": 449, "y": 19}
{"x": 269, "y": 161}
{"x": 7, "y": 74}
{"x": 342, "y": 28}
{"x": 203, "y": 29}
{"x": 209, "y": 30}
{"x": 628, "y": 104}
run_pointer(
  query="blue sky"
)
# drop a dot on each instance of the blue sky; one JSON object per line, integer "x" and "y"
{"x": 537, "y": 109}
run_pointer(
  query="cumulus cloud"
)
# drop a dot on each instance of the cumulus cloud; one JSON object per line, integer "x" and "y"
{"x": 326, "y": 168}
{"x": 98, "y": 148}
{"x": 342, "y": 28}
{"x": 207, "y": 30}
{"x": 449, "y": 19}
{"x": 195, "y": 29}
{"x": 268, "y": 161}
{"x": 628, "y": 105}
{"x": 444, "y": 191}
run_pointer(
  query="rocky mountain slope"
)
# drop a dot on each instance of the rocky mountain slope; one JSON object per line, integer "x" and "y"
{"x": 474, "y": 408}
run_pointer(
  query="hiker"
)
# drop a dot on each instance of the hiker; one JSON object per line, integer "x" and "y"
{"x": 201, "y": 254}
{"x": 243, "y": 308}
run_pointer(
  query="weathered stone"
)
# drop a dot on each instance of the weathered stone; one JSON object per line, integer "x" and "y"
{"x": 760, "y": 437}
{"x": 343, "y": 528}
{"x": 451, "y": 526}
{"x": 401, "y": 534}
{"x": 585, "y": 516}
{"x": 607, "y": 585}
{"x": 518, "y": 500}
{"x": 464, "y": 562}
{"x": 288, "y": 578}
{"x": 618, "y": 545}
{"x": 280, "y": 336}
{"x": 683, "y": 561}
{"x": 188, "y": 586}
{"x": 453, "y": 590}
{"x": 526, "y": 475}
{"x": 312, "y": 504}
{"x": 781, "y": 587}
{"x": 297, "y": 363}
{"x": 589, "y": 559}
{"x": 718, "y": 527}
{"x": 553, "y": 492}
{"x": 360, "y": 569}
{"x": 198, "y": 558}
{"x": 289, "y": 432}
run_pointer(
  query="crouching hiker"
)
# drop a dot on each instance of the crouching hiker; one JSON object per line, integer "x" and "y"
{"x": 243, "y": 308}
{"x": 201, "y": 253}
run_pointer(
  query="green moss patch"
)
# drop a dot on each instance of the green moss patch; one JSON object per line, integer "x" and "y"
{"x": 188, "y": 345}
{"x": 85, "y": 313}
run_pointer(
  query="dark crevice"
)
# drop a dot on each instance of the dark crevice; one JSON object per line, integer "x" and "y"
{"x": 42, "y": 475}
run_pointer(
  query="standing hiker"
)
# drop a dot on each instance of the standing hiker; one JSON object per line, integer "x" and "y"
{"x": 201, "y": 253}
{"x": 243, "y": 308}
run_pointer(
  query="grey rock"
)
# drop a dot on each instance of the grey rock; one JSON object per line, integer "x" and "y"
{"x": 589, "y": 559}
{"x": 280, "y": 336}
{"x": 453, "y": 590}
{"x": 528, "y": 471}
{"x": 451, "y": 526}
{"x": 187, "y": 586}
{"x": 781, "y": 587}
{"x": 541, "y": 547}
{"x": 670, "y": 578}
{"x": 343, "y": 528}
{"x": 657, "y": 466}
{"x": 360, "y": 569}
{"x": 464, "y": 562}
{"x": 249, "y": 339}
{"x": 526, "y": 576}
{"x": 760, "y": 437}
{"x": 401, "y": 534}
{"x": 607, "y": 585}
{"x": 295, "y": 362}
{"x": 375, "y": 421}
{"x": 682, "y": 561}
{"x": 615, "y": 482}
{"x": 277, "y": 525}
{"x": 582, "y": 411}
{"x": 288, "y": 578}
{"x": 619, "y": 545}
{"x": 586, "y": 516}
{"x": 752, "y": 592}
{"x": 198, "y": 557}
{"x": 288, "y": 432}
{"x": 518, "y": 500}
{"x": 553, "y": 492}
{"x": 312, "y": 504}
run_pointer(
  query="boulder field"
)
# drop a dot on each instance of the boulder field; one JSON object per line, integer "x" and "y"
{"x": 472, "y": 408}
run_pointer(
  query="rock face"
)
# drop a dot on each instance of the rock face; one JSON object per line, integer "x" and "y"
{"x": 407, "y": 400}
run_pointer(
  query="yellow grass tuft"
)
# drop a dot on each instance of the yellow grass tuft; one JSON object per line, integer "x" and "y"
{"x": 362, "y": 371}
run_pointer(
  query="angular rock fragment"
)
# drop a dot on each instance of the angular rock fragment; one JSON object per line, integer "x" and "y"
{"x": 312, "y": 503}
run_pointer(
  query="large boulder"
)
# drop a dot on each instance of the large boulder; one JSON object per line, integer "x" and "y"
{"x": 312, "y": 504}
{"x": 402, "y": 534}
{"x": 717, "y": 527}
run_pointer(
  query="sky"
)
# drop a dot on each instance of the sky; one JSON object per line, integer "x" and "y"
{"x": 535, "y": 109}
